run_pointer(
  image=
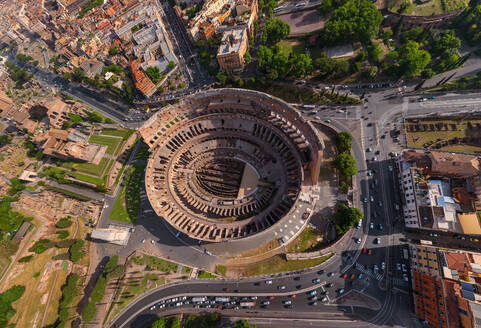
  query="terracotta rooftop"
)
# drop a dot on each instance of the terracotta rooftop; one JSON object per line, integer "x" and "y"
{"x": 454, "y": 164}
{"x": 457, "y": 261}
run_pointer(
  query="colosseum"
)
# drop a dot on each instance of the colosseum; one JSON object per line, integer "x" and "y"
{"x": 228, "y": 163}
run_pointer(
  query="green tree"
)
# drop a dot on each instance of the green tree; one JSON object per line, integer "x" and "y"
{"x": 221, "y": 78}
{"x": 275, "y": 30}
{"x": 154, "y": 74}
{"x": 412, "y": 60}
{"x": 447, "y": 42}
{"x": 159, "y": 323}
{"x": 346, "y": 164}
{"x": 413, "y": 34}
{"x": 345, "y": 217}
{"x": 343, "y": 141}
{"x": 355, "y": 20}
{"x": 243, "y": 324}
{"x": 247, "y": 57}
{"x": 171, "y": 64}
{"x": 374, "y": 51}
{"x": 113, "y": 51}
{"x": 302, "y": 65}
{"x": 325, "y": 7}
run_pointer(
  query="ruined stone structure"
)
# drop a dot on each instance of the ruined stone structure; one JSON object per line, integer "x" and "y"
{"x": 228, "y": 163}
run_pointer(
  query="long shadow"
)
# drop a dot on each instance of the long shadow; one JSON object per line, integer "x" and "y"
{"x": 89, "y": 287}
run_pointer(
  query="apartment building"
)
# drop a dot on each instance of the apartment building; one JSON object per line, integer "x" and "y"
{"x": 230, "y": 54}
{"x": 437, "y": 187}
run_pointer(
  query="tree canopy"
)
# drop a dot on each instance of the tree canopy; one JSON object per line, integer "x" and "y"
{"x": 343, "y": 141}
{"x": 275, "y": 30}
{"x": 353, "y": 21}
{"x": 243, "y": 324}
{"x": 408, "y": 60}
{"x": 346, "y": 164}
{"x": 277, "y": 64}
{"x": 345, "y": 217}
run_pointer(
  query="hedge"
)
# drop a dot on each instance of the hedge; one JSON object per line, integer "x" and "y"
{"x": 25, "y": 259}
{"x": 63, "y": 223}
{"x": 69, "y": 292}
{"x": 76, "y": 250}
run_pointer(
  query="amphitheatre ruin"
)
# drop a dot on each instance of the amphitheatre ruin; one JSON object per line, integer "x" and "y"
{"x": 228, "y": 163}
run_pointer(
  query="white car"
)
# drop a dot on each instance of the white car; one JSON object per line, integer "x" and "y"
{"x": 398, "y": 266}
{"x": 383, "y": 265}
{"x": 269, "y": 282}
{"x": 389, "y": 168}
{"x": 371, "y": 225}
{"x": 358, "y": 240}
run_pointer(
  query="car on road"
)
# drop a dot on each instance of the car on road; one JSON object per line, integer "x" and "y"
{"x": 365, "y": 200}
{"x": 340, "y": 291}
{"x": 293, "y": 296}
{"x": 268, "y": 282}
{"x": 405, "y": 277}
{"x": 330, "y": 274}
{"x": 371, "y": 198}
{"x": 369, "y": 252}
{"x": 371, "y": 225}
{"x": 404, "y": 268}
{"x": 271, "y": 297}
{"x": 281, "y": 287}
{"x": 359, "y": 224}
{"x": 344, "y": 276}
{"x": 375, "y": 268}
{"x": 324, "y": 299}
{"x": 320, "y": 272}
{"x": 313, "y": 292}
{"x": 266, "y": 303}
{"x": 398, "y": 266}
{"x": 297, "y": 278}
{"x": 313, "y": 298}
{"x": 379, "y": 203}
{"x": 313, "y": 304}
{"x": 298, "y": 286}
{"x": 364, "y": 250}
{"x": 352, "y": 276}
{"x": 287, "y": 302}
{"x": 225, "y": 289}
{"x": 329, "y": 285}
{"x": 379, "y": 226}
{"x": 389, "y": 168}
{"x": 396, "y": 206}
{"x": 376, "y": 241}
{"x": 383, "y": 265}
{"x": 358, "y": 240}
{"x": 316, "y": 281}
{"x": 359, "y": 276}
{"x": 253, "y": 298}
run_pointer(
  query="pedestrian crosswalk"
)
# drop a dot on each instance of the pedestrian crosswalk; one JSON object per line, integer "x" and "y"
{"x": 368, "y": 272}
{"x": 399, "y": 282}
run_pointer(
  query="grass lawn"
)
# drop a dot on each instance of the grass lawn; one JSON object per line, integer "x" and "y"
{"x": 112, "y": 143}
{"x": 89, "y": 168}
{"x": 156, "y": 263}
{"x": 310, "y": 239}
{"x": 463, "y": 149}
{"x": 86, "y": 178}
{"x": 430, "y": 139}
{"x": 124, "y": 133}
{"x": 221, "y": 269}
{"x": 277, "y": 264}
{"x": 288, "y": 47}
{"x": 186, "y": 269}
{"x": 205, "y": 275}
{"x": 127, "y": 205}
